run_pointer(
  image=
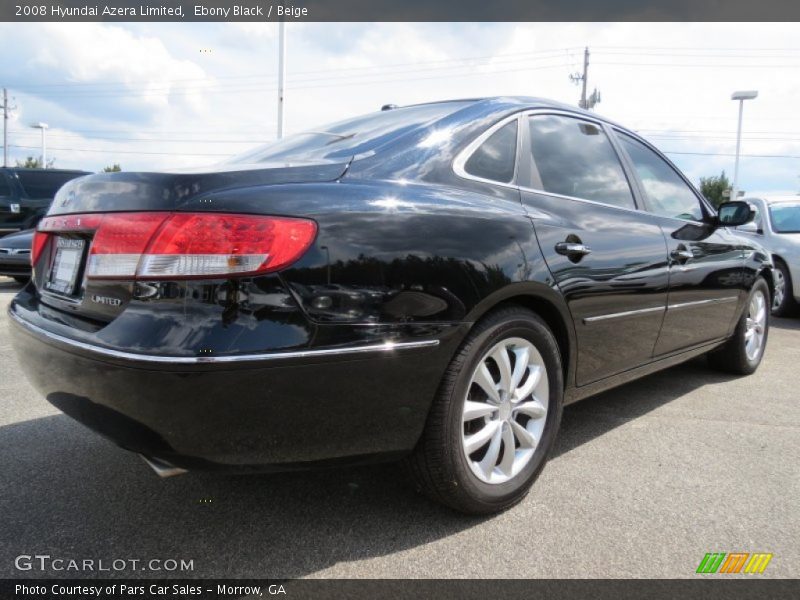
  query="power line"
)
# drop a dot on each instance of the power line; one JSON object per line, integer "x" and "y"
{"x": 160, "y": 140}
{"x": 331, "y": 72}
{"x": 123, "y": 151}
{"x": 332, "y": 83}
{"x": 323, "y": 82}
{"x": 721, "y": 49}
{"x": 693, "y": 64}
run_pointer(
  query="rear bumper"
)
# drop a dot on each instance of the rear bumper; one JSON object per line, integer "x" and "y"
{"x": 272, "y": 410}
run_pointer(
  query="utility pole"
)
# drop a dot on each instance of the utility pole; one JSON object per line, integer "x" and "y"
{"x": 5, "y": 127}
{"x": 281, "y": 73}
{"x": 584, "y": 77}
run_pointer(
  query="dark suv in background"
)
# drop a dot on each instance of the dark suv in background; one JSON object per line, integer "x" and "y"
{"x": 26, "y": 194}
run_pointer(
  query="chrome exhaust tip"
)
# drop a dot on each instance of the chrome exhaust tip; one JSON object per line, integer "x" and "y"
{"x": 162, "y": 468}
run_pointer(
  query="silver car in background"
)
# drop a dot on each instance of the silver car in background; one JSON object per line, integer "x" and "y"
{"x": 777, "y": 227}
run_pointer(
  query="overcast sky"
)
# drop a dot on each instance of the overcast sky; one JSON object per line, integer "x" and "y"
{"x": 150, "y": 96}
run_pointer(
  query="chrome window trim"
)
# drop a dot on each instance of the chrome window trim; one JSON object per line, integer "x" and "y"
{"x": 194, "y": 360}
{"x": 462, "y": 157}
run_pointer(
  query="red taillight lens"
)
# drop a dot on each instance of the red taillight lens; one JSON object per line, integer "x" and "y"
{"x": 39, "y": 242}
{"x": 119, "y": 243}
{"x": 186, "y": 245}
{"x": 220, "y": 244}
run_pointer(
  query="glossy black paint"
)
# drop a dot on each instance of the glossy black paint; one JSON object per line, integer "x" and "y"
{"x": 406, "y": 251}
{"x": 626, "y": 271}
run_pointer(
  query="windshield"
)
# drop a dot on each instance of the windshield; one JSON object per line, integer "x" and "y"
{"x": 785, "y": 217}
{"x": 342, "y": 140}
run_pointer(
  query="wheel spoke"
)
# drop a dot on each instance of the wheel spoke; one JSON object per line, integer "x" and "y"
{"x": 531, "y": 383}
{"x": 509, "y": 451}
{"x": 475, "y": 410}
{"x": 749, "y": 333}
{"x": 484, "y": 379}
{"x": 523, "y": 358}
{"x": 525, "y": 437}
{"x": 532, "y": 408}
{"x": 478, "y": 440}
{"x": 489, "y": 461}
{"x": 500, "y": 356}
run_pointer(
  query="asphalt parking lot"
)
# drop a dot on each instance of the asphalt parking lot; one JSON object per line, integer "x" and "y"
{"x": 644, "y": 481}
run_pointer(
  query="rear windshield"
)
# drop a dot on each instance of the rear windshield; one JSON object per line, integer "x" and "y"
{"x": 44, "y": 184}
{"x": 785, "y": 218}
{"x": 344, "y": 139}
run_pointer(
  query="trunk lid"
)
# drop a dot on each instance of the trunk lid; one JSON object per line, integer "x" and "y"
{"x": 73, "y": 220}
{"x": 132, "y": 191}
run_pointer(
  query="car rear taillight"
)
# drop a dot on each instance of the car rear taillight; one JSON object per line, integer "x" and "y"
{"x": 161, "y": 245}
{"x": 39, "y": 242}
{"x": 119, "y": 243}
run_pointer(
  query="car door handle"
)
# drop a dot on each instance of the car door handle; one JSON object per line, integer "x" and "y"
{"x": 573, "y": 249}
{"x": 681, "y": 254}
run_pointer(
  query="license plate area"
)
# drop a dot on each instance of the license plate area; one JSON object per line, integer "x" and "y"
{"x": 66, "y": 266}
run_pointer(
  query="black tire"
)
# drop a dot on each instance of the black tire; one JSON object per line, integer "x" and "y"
{"x": 732, "y": 356}
{"x": 788, "y": 305}
{"x": 21, "y": 279}
{"x": 438, "y": 464}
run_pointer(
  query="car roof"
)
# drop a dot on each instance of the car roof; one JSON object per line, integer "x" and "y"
{"x": 776, "y": 199}
{"x": 512, "y": 103}
{"x": 506, "y": 105}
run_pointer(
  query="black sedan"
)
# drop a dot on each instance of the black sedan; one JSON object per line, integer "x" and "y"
{"x": 15, "y": 255}
{"x": 431, "y": 282}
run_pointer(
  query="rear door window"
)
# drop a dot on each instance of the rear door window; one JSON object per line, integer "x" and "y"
{"x": 44, "y": 184}
{"x": 495, "y": 159}
{"x": 573, "y": 157}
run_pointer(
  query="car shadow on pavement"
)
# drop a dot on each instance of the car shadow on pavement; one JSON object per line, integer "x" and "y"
{"x": 595, "y": 416}
{"x": 9, "y": 285}
{"x": 788, "y": 324}
{"x": 67, "y": 492}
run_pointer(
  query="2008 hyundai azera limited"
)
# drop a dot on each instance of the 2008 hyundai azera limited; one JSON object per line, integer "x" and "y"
{"x": 431, "y": 282}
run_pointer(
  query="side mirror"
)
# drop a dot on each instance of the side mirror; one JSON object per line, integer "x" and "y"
{"x": 734, "y": 214}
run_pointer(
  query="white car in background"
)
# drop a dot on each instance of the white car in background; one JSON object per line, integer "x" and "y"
{"x": 777, "y": 227}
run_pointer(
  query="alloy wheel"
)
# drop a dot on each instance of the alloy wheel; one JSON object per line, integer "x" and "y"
{"x": 780, "y": 289}
{"x": 505, "y": 410}
{"x": 756, "y": 325}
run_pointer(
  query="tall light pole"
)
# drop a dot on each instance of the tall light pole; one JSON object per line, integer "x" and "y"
{"x": 281, "y": 73}
{"x": 43, "y": 127}
{"x": 741, "y": 97}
